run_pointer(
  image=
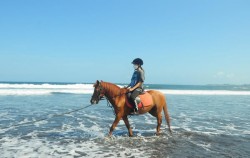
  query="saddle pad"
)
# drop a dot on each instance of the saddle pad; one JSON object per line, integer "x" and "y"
{"x": 146, "y": 100}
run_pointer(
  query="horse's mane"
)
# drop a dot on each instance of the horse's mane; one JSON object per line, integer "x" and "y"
{"x": 112, "y": 89}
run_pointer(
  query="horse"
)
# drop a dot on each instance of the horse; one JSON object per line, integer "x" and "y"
{"x": 116, "y": 96}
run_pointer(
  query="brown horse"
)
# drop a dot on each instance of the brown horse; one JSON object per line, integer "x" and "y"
{"x": 116, "y": 96}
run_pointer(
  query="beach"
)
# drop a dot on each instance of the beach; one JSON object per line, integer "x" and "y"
{"x": 207, "y": 121}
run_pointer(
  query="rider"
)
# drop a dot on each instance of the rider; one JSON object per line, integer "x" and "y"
{"x": 136, "y": 86}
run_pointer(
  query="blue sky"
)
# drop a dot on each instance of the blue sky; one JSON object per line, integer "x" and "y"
{"x": 181, "y": 42}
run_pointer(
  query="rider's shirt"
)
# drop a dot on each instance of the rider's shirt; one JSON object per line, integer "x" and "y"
{"x": 138, "y": 76}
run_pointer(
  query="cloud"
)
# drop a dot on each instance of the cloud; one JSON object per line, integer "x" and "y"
{"x": 224, "y": 75}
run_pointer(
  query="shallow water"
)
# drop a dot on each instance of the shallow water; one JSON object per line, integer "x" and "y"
{"x": 203, "y": 126}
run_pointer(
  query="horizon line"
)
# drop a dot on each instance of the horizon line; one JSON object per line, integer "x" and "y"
{"x": 209, "y": 84}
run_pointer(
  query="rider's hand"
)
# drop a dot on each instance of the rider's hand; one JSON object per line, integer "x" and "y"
{"x": 130, "y": 89}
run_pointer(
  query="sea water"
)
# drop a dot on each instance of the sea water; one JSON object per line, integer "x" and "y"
{"x": 207, "y": 121}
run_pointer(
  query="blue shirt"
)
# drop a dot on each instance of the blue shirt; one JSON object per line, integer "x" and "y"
{"x": 138, "y": 76}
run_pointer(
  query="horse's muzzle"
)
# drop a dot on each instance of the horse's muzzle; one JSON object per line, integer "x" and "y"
{"x": 92, "y": 101}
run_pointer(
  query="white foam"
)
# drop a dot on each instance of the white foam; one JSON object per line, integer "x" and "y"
{"x": 37, "y": 147}
{"x": 47, "y": 86}
{"x": 230, "y": 127}
{"x": 205, "y": 146}
{"x": 45, "y": 89}
{"x": 3, "y": 114}
{"x": 16, "y": 147}
{"x": 246, "y": 132}
{"x": 205, "y": 92}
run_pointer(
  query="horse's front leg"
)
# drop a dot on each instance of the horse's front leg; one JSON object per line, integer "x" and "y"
{"x": 125, "y": 119}
{"x": 117, "y": 119}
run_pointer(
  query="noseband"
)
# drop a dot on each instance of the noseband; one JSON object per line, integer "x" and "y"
{"x": 100, "y": 92}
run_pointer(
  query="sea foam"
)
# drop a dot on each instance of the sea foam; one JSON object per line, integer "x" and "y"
{"x": 205, "y": 92}
{"x": 46, "y": 89}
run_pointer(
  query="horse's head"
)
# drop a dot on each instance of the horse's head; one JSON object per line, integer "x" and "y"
{"x": 98, "y": 93}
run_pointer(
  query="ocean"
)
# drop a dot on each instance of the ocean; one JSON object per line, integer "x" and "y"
{"x": 207, "y": 121}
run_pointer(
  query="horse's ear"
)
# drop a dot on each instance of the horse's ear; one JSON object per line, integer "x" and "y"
{"x": 96, "y": 83}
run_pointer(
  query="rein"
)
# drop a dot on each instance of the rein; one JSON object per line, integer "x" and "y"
{"x": 110, "y": 105}
{"x": 45, "y": 118}
{"x": 102, "y": 92}
{"x": 108, "y": 102}
{"x": 119, "y": 95}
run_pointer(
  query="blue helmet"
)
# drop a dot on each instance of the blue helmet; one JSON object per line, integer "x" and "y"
{"x": 137, "y": 61}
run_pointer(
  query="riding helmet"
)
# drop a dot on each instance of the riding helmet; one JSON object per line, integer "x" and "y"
{"x": 137, "y": 61}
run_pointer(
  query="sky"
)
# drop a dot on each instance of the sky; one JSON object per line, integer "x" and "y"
{"x": 181, "y": 42}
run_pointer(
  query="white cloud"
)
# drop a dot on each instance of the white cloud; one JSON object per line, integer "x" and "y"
{"x": 224, "y": 75}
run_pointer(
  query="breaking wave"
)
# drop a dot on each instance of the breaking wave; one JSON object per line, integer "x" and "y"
{"x": 47, "y": 89}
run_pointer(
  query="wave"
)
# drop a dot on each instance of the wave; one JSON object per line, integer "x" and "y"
{"x": 43, "y": 89}
{"x": 47, "y": 89}
{"x": 46, "y": 86}
{"x": 205, "y": 92}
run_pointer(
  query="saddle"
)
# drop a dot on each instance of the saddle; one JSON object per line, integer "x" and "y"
{"x": 143, "y": 100}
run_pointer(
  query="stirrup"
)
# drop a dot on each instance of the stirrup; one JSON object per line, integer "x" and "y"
{"x": 136, "y": 108}
{"x": 135, "y": 112}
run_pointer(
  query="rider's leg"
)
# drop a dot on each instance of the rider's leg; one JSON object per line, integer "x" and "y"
{"x": 133, "y": 96}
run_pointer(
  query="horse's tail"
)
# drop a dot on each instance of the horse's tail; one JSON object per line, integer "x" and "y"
{"x": 167, "y": 117}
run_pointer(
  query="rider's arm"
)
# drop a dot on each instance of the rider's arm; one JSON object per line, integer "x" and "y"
{"x": 139, "y": 84}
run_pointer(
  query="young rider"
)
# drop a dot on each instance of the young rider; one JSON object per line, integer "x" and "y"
{"x": 136, "y": 85}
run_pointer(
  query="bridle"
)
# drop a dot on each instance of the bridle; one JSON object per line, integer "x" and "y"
{"x": 101, "y": 93}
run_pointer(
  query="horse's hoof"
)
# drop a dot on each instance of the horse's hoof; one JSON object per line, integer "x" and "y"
{"x": 107, "y": 138}
{"x": 157, "y": 133}
{"x": 170, "y": 131}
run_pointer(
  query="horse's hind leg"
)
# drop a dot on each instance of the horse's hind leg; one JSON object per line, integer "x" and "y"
{"x": 159, "y": 121}
{"x": 156, "y": 113}
{"x": 125, "y": 119}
